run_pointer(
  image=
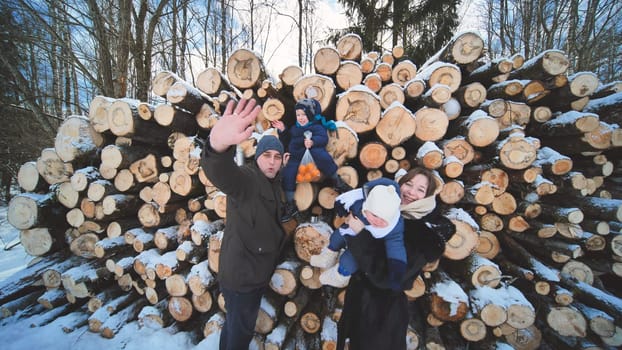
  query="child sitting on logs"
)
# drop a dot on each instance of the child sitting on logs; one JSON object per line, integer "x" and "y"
{"x": 308, "y": 121}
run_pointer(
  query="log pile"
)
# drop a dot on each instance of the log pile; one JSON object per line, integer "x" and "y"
{"x": 122, "y": 219}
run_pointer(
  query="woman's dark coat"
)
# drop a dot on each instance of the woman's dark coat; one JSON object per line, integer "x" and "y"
{"x": 374, "y": 316}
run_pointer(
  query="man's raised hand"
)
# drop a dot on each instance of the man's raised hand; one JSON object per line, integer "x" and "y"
{"x": 235, "y": 125}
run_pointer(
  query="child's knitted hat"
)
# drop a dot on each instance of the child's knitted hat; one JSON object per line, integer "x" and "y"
{"x": 384, "y": 202}
{"x": 311, "y": 107}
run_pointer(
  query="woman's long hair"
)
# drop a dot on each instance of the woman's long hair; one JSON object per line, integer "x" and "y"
{"x": 420, "y": 171}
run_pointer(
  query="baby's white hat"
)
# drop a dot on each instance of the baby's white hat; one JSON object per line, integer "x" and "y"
{"x": 384, "y": 202}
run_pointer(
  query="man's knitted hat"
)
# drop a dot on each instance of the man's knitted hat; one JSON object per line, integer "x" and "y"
{"x": 311, "y": 107}
{"x": 268, "y": 142}
{"x": 384, "y": 202}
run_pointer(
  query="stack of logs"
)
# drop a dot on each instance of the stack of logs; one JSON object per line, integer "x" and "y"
{"x": 125, "y": 225}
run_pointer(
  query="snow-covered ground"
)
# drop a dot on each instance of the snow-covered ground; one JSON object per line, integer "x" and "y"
{"x": 18, "y": 333}
{"x": 14, "y": 259}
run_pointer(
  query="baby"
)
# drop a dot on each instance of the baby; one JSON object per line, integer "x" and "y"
{"x": 377, "y": 205}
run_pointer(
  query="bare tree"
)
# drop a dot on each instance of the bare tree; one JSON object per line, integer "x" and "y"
{"x": 183, "y": 35}
{"x": 55, "y": 65}
{"x": 579, "y": 27}
{"x": 79, "y": 49}
{"x": 301, "y": 10}
{"x": 103, "y": 37}
{"x": 143, "y": 44}
{"x": 120, "y": 74}
{"x": 305, "y": 24}
{"x": 224, "y": 4}
{"x": 203, "y": 19}
{"x": 310, "y": 34}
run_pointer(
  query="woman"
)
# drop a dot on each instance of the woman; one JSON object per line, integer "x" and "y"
{"x": 374, "y": 315}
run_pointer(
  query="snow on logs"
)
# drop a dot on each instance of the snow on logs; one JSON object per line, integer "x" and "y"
{"x": 524, "y": 154}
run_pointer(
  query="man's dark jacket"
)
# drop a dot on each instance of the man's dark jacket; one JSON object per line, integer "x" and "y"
{"x": 253, "y": 235}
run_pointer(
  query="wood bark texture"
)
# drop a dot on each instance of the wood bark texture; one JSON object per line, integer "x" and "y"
{"x": 527, "y": 161}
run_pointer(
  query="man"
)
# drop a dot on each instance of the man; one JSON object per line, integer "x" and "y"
{"x": 253, "y": 236}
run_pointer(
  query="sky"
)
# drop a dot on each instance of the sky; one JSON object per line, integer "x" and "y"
{"x": 282, "y": 48}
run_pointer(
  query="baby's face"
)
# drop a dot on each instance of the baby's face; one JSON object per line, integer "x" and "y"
{"x": 301, "y": 117}
{"x": 374, "y": 220}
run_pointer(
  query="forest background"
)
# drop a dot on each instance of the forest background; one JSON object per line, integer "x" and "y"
{"x": 55, "y": 56}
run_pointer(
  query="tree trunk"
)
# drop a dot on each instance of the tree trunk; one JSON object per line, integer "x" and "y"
{"x": 245, "y": 69}
{"x": 77, "y": 141}
{"x": 547, "y": 63}
{"x": 444, "y": 307}
{"x": 309, "y": 239}
{"x": 359, "y": 109}
{"x": 173, "y": 118}
{"x": 52, "y": 168}
{"x": 480, "y": 129}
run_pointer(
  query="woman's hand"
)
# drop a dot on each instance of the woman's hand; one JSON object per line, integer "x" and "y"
{"x": 355, "y": 224}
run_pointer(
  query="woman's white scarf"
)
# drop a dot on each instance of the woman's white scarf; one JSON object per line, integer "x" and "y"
{"x": 419, "y": 208}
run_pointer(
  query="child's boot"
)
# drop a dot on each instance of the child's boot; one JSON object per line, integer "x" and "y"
{"x": 332, "y": 277}
{"x": 325, "y": 259}
{"x": 290, "y": 212}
